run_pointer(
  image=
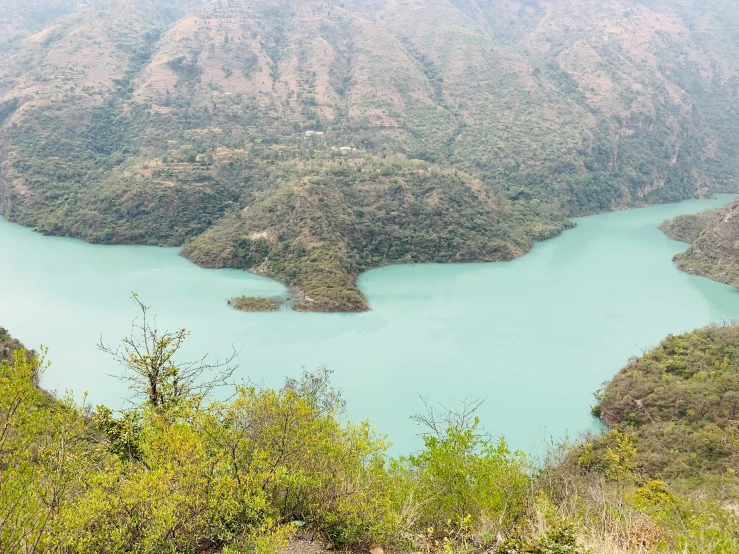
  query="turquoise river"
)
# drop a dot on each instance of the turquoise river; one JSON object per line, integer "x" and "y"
{"x": 534, "y": 337}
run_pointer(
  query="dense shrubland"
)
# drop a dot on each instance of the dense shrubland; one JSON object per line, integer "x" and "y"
{"x": 714, "y": 241}
{"x": 681, "y": 402}
{"x": 687, "y": 227}
{"x": 182, "y": 472}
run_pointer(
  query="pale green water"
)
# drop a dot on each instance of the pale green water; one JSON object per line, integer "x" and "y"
{"x": 535, "y": 336}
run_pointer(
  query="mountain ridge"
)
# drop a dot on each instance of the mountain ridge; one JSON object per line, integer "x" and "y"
{"x": 135, "y": 121}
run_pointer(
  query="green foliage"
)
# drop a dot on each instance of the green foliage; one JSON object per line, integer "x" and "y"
{"x": 123, "y": 433}
{"x": 687, "y": 228}
{"x": 7, "y": 108}
{"x": 613, "y": 454}
{"x": 714, "y": 236}
{"x": 681, "y": 402}
{"x": 140, "y": 56}
{"x": 110, "y": 134}
{"x": 232, "y": 474}
{"x": 187, "y": 70}
{"x": 184, "y": 473}
{"x": 8, "y": 345}
{"x": 560, "y": 539}
{"x": 44, "y": 454}
{"x": 463, "y": 474}
{"x": 253, "y": 304}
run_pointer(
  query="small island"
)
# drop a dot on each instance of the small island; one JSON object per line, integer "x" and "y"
{"x": 253, "y": 304}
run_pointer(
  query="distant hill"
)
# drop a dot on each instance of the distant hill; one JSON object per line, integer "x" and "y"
{"x": 310, "y": 140}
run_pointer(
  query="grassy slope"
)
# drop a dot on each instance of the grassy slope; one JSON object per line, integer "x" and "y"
{"x": 112, "y": 131}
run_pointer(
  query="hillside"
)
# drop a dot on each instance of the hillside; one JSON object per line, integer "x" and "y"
{"x": 312, "y": 140}
{"x": 688, "y": 227}
{"x": 175, "y": 474}
{"x": 713, "y": 238}
{"x": 681, "y": 400}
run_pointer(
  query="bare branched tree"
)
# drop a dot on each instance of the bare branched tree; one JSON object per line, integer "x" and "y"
{"x": 437, "y": 419}
{"x": 316, "y": 388}
{"x": 151, "y": 371}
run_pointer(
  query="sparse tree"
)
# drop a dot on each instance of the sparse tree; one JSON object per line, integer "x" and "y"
{"x": 315, "y": 387}
{"x": 151, "y": 370}
{"x": 437, "y": 420}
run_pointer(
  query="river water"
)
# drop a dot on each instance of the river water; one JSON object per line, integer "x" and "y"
{"x": 533, "y": 337}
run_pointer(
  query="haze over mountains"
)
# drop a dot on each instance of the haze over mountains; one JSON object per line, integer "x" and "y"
{"x": 310, "y": 140}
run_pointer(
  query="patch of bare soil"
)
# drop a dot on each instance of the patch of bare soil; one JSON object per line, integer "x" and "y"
{"x": 300, "y": 546}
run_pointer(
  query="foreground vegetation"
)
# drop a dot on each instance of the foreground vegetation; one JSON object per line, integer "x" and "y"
{"x": 184, "y": 473}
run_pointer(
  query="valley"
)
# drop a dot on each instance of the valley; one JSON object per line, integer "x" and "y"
{"x": 589, "y": 299}
{"x": 659, "y": 478}
{"x": 312, "y": 141}
{"x": 291, "y": 276}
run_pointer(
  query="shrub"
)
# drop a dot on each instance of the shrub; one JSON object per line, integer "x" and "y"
{"x": 462, "y": 484}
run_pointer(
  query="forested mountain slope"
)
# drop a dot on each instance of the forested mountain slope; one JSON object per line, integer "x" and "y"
{"x": 469, "y": 129}
{"x": 714, "y": 237}
{"x": 681, "y": 400}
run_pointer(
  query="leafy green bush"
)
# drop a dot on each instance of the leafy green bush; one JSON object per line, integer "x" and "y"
{"x": 560, "y": 539}
{"x": 463, "y": 486}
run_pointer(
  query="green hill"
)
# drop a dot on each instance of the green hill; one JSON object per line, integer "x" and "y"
{"x": 713, "y": 238}
{"x": 682, "y": 402}
{"x": 355, "y": 134}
